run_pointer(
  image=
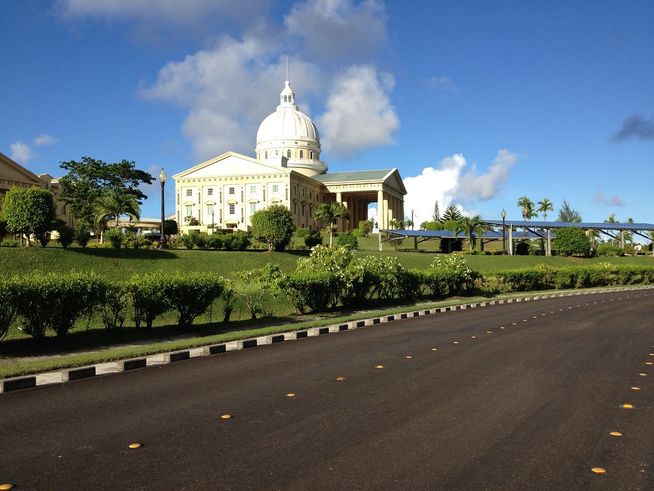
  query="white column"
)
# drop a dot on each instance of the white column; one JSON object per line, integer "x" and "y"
{"x": 511, "y": 240}
{"x": 381, "y": 211}
{"x": 548, "y": 248}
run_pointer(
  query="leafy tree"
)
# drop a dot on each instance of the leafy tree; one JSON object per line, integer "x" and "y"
{"x": 87, "y": 180}
{"x": 330, "y": 214}
{"x": 191, "y": 221}
{"x": 527, "y": 208}
{"x": 28, "y": 211}
{"x": 451, "y": 214}
{"x": 274, "y": 226}
{"x": 544, "y": 206}
{"x": 66, "y": 236}
{"x": 365, "y": 227}
{"x": 572, "y": 242}
{"x": 471, "y": 227}
{"x": 568, "y": 214}
{"x": 82, "y": 235}
{"x": 170, "y": 228}
{"x": 347, "y": 240}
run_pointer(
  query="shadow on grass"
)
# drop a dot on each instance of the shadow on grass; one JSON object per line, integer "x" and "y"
{"x": 126, "y": 253}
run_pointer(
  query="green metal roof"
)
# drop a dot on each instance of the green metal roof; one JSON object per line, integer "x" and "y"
{"x": 364, "y": 175}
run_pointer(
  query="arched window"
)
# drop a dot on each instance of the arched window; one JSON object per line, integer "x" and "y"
{"x": 311, "y": 155}
{"x": 301, "y": 154}
{"x": 266, "y": 154}
{"x": 288, "y": 153}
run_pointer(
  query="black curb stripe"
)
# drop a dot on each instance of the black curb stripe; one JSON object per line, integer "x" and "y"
{"x": 390, "y": 318}
{"x": 19, "y": 383}
{"x": 250, "y": 343}
{"x": 323, "y": 330}
{"x": 361, "y": 323}
{"x": 179, "y": 356}
{"x": 133, "y": 364}
{"x": 301, "y": 334}
{"x": 277, "y": 338}
{"x": 217, "y": 348}
{"x": 343, "y": 327}
{"x": 80, "y": 373}
{"x": 376, "y": 321}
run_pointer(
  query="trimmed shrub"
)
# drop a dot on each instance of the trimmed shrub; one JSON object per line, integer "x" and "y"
{"x": 114, "y": 236}
{"x": 66, "y": 236}
{"x": 273, "y": 226}
{"x": 191, "y": 295}
{"x": 572, "y": 242}
{"x": 187, "y": 240}
{"x": 82, "y": 235}
{"x": 215, "y": 241}
{"x": 347, "y": 240}
{"x": 200, "y": 240}
{"x": 312, "y": 239}
{"x": 309, "y": 290}
{"x": 7, "y": 305}
{"x": 522, "y": 248}
{"x": 9, "y": 243}
{"x": 114, "y": 304}
{"x": 255, "y": 283}
{"x": 608, "y": 249}
{"x": 449, "y": 275}
{"x": 228, "y": 297}
{"x": 55, "y": 301}
{"x": 236, "y": 241}
{"x": 149, "y": 297}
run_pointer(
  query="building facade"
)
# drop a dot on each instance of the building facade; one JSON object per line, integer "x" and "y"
{"x": 225, "y": 191}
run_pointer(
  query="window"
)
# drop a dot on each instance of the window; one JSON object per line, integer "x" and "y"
{"x": 301, "y": 154}
{"x": 189, "y": 210}
{"x": 276, "y": 153}
{"x": 275, "y": 188}
{"x": 189, "y": 193}
{"x": 288, "y": 154}
{"x": 311, "y": 155}
{"x": 253, "y": 189}
{"x": 232, "y": 208}
{"x": 265, "y": 154}
{"x": 209, "y": 209}
{"x": 253, "y": 207}
{"x": 210, "y": 192}
{"x": 231, "y": 190}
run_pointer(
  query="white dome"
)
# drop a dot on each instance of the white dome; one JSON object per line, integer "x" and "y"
{"x": 288, "y": 137}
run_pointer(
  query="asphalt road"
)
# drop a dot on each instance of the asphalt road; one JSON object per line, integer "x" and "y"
{"x": 516, "y": 396}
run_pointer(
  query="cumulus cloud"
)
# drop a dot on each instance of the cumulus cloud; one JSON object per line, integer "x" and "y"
{"x": 635, "y": 127}
{"x": 332, "y": 29}
{"x": 450, "y": 181}
{"x": 602, "y": 199}
{"x": 228, "y": 91}
{"x": 44, "y": 140}
{"x": 21, "y": 152}
{"x": 359, "y": 113}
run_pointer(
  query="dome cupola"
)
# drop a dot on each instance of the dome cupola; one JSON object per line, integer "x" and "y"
{"x": 288, "y": 137}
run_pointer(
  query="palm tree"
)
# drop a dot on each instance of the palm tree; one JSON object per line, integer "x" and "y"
{"x": 113, "y": 205}
{"x": 330, "y": 214}
{"x": 527, "y": 208}
{"x": 544, "y": 206}
{"x": 471, "y": 227}
{"x": 612, "y": 219}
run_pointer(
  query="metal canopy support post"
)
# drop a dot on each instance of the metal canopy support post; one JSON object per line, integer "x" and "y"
{"x": 548, "y": 249}
{"x": 510, "y": 240}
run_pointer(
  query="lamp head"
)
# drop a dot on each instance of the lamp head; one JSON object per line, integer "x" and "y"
{"x": 503, "y": 214}
{"x": 162, "y": 176}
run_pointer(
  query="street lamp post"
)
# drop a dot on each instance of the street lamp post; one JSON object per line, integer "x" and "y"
{"x": 162, "y": 180}
{"x": 504, "y": 232}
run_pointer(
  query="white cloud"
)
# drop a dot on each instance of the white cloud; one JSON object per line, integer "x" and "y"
{"x": 167, "y": 12}
{"x": 359, "y": 113}
{"x": 21, "y": 152}
{"x": 333, "y": 29}
{"x": 228, "y": 91}
{"x": 44, "y": 140}
{"x": 449, "y": 182}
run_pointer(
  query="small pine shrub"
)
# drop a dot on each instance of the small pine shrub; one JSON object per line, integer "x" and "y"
{"x": 347, "y": 240}
{"x": 115, "y": 237}
{"x": 82, "y": 235}
{"x": 66, "y": 236}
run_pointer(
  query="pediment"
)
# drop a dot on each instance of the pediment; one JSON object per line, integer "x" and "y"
{"x": 13, "y": 171}
{"x": 230, "y": 164}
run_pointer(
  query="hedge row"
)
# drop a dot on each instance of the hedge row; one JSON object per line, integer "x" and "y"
{"x": 44, "y": 303}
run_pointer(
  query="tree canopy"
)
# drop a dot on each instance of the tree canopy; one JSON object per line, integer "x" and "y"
{"x": 89, "y": 179}
{"x": 568, "y": 214}
{"x": 29, "y": 211}
{"x": 451, "y": 214}
{"x": 330, "y": 214}
{"x": 572, "y": 242}
{"x": 527, "y": 208}
{"x": 274, "y": 226}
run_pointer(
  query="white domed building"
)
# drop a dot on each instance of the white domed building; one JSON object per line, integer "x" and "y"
{"x": 224, "y": 192}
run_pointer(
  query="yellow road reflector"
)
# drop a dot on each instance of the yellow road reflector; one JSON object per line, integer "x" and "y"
{"x": 290, "y": 394}
{"x": 501, "y": 327}
{"x": 627, "y": 406}
{"x": 408, "y": 357}
{"x": 434, "y": 349}
{"x": 651, "y": 354}
{"x": 489, "y": 332}
{"x": 649, "y": 363}
{"x": 473, "y": 337}
{"x": 6, "y": 485}
{"x": 635, "y": 388}
{"x": 524, "y": 320}
{"x": 226, "y": 416}
{"x": 598, "y": 470}
{"x": 642, "y": 374}
{"x": 135, "y": 445}
{"x": 615, "y": 433}
{"x": 379, "y": 366}
{"x": 455, "y": 342}
{"x": 340, "y": 379}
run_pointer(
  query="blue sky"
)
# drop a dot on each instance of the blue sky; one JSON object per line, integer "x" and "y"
{"x": 476, "y": 103}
